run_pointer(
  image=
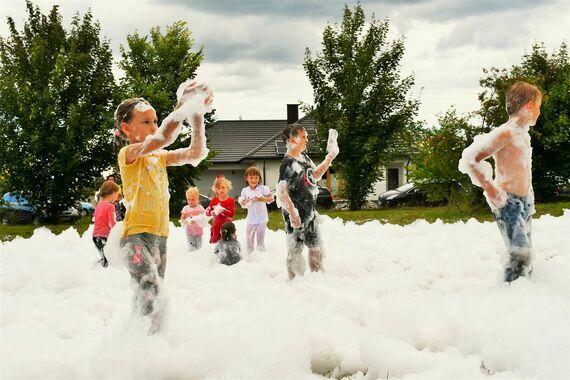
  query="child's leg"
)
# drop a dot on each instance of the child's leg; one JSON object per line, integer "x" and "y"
{"x": 514, "y": 223}
{"x": 261, "y": 228}
{"x": 161, "y": 258}
{"x": 296, "y": 263}
{"x": 215, "y": 232}
{"x": 100, "y": 242}
{"x": 198, "y": 240}
{"x": 316, "y": 252}
{"x": 250, "y": 232}
{"x": 191, "y": 242}
{"x": 140, "y": 256}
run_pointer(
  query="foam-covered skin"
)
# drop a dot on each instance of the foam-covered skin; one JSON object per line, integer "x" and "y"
{"x": 194, "y": 100}
{"x": 509, "y": 145}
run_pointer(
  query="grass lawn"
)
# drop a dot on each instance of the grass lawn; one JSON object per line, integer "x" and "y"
{"x": 399, "y": 215}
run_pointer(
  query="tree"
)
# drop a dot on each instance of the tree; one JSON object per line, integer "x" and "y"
{"x": 56, "y": 108}
{"x": 358, "y": 90}
{"x": 154, "y": 68}
{"x": 550, "y": 137}
{"x": 435, "y": 162}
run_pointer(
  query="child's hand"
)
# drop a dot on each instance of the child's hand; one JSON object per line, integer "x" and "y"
{"x": 295, "y": 219}
{"x": 201, "y": 220}
{"x": 219, "y": 209}
{"x": 496, "y": 198}
{"x": 194, "y": 98}
{"x": 332, "y": 145}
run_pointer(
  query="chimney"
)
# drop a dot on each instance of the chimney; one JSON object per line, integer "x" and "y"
{"x": 292, "y": 113}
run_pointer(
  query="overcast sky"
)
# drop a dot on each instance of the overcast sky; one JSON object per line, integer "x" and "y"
{"x": 254, "y": 48}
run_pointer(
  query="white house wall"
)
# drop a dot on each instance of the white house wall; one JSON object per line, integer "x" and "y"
{"x": 235, "y": 173}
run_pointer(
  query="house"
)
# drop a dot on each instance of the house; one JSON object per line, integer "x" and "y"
{"x": 239, "y": 144}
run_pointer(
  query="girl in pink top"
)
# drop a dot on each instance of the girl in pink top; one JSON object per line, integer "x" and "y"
{"x": 105, "y": 217}
{"x": 193, "y": 218}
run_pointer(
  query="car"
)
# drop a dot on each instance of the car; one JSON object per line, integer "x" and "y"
{"x": 16, "y": 210}
{"x": 85, "y": 208}
{"x": 324, "y": 199}
{"x": 390, "y": 194}
{"x": 20, "y": 211}
{"x": 407, "y": 194}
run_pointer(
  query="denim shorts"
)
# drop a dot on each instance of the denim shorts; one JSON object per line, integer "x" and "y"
{"x": 514, "y": 220}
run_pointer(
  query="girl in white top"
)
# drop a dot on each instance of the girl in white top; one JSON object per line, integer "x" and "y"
{"x": 254, "y": 198}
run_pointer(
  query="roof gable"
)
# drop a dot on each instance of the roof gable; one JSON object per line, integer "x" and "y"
{"x": 235, "y": 140}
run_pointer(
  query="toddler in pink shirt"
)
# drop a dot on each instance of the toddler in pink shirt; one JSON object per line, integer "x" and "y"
{"x": 105, "y": 217}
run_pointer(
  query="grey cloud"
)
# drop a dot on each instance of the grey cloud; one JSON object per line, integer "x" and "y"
{"x": 283, "y": 8}
{"x": 445, "y": 10}
{"x": 267, "y": 41}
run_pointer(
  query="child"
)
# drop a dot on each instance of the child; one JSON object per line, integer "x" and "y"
{"x": 190, "y": 218}
{"x": 297, "y": 193}
{"x": 222, "y": 208}
{"x": 254, "y": 198}
{"x": 143, "y": 165}
{"x": 228, "y": 248}
{"x": 104, "y": 217}
{"x": 510, "y": 193}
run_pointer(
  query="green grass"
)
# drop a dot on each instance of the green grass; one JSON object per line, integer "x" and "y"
{"x": 400, "y": 215}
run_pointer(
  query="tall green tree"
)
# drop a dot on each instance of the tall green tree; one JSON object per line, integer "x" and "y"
{"x": 434, "y": 168}
{"x": 358, "y": 90}
{"x": 550, "y": 137}
{"x": 56, "y": 108}
{"x": 154, "y": 66}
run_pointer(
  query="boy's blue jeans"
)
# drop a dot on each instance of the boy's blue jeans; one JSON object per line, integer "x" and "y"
{"x": 514, "y": 221}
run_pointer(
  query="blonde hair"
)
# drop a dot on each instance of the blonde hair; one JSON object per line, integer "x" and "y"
{"x": 108, "y": 188}
{"x": 192, "y": 191}
{"x": 219, "y": 181}
{"x": 253, "y": 170}
{"x": 520, "y": 94}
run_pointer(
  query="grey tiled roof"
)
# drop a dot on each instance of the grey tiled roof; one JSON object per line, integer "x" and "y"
{"x": 236, "y": 140}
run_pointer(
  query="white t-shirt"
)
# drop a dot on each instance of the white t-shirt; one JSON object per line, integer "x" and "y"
{"x": 256, "y": 211}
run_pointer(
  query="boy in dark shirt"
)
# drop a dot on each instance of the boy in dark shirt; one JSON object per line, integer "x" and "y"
{"x": 297, "y": 193}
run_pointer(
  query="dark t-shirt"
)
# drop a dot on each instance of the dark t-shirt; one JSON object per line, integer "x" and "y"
{"x": 301, "y": 184}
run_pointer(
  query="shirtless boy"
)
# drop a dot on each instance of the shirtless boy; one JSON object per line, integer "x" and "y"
{"x": 510, "y": 193}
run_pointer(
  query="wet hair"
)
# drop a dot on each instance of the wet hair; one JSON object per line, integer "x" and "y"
{"x": 520, "y": 94}
{"x": 228, "y": 230}
{"x": 252, "y": 170}
{"x": 124, "y": 114}
{"x": 219, "y": 181}
{"x": 108, "y": 188}
{"x": 192, "y": 191}
{"x": 291, "y": 130}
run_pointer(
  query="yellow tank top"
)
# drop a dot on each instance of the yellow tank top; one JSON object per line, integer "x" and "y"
{"x": 145, "y": 188}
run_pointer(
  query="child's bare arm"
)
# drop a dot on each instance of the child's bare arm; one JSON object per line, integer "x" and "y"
{"x": 332, "y": 152}
{"x": 170, "y": 127}
{"x": 287, "y": 204}
{"x": 197, "y": 150}
{"x": 267, "y": 199}
{"x": 473, "y": 161}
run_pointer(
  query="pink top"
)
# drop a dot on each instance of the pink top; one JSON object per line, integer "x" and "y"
{"x": 193, "y": 228}
{"x": 104, "y": 218}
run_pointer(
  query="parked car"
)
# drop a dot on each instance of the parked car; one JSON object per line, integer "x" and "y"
{"x": 84, "y": 208}
{"x": 563, "y": 191}
{"x": 324, "y": 199}
{"x": 18, "y": 211}
{"x": 388, "y": 195}
{"x": 407, "y": 194}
